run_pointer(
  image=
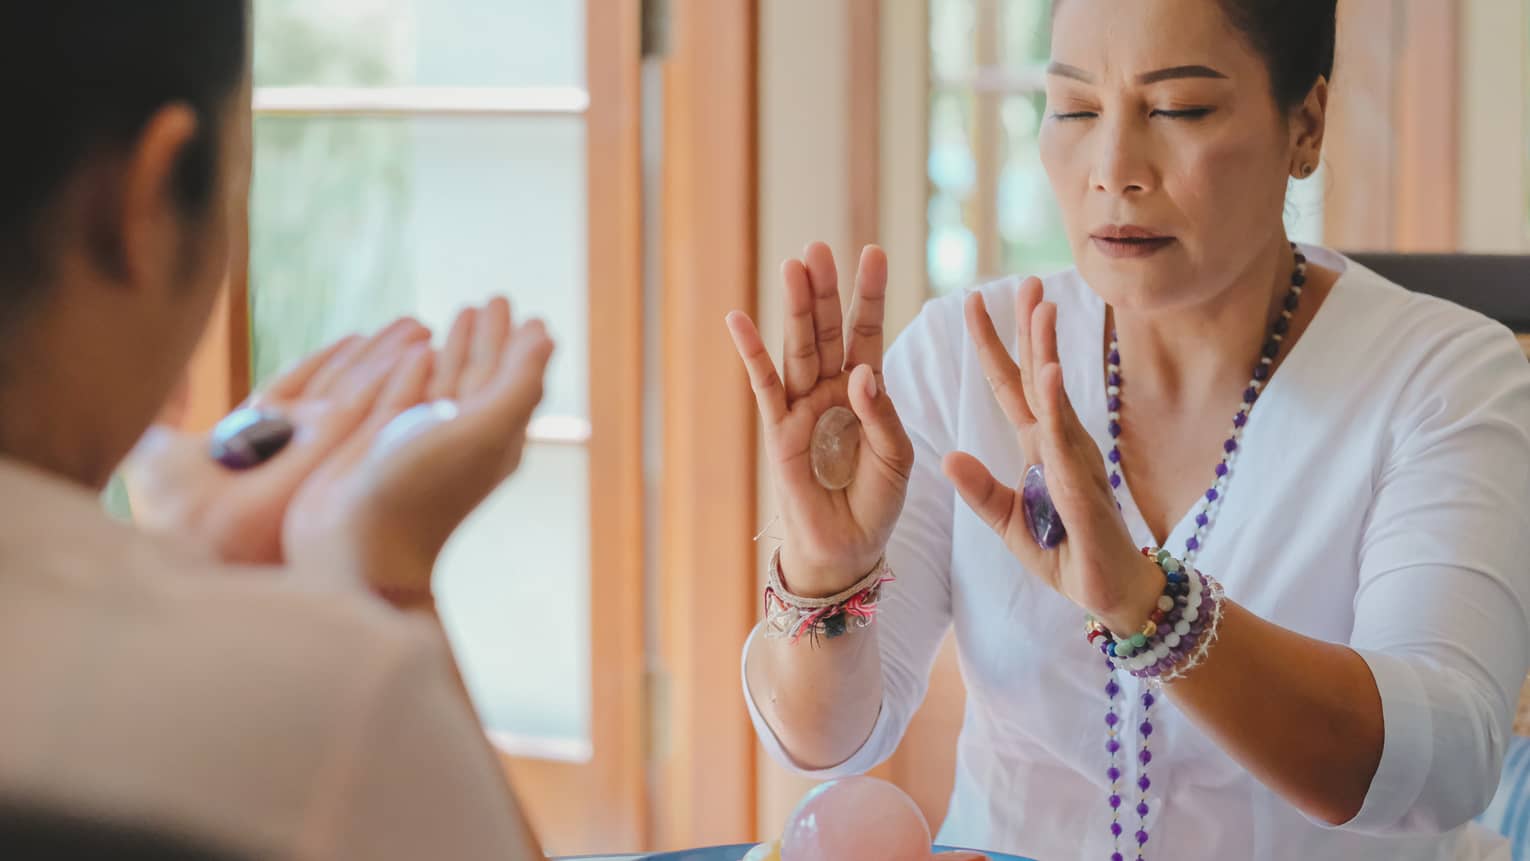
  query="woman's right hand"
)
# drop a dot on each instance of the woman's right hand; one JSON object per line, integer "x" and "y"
{"x": 833, "y": 537}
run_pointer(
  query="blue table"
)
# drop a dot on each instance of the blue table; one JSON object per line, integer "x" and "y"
{"x": 726, "y": 853}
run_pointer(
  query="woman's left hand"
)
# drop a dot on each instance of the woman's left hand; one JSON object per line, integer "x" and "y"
{"x": 1097, "y": 565}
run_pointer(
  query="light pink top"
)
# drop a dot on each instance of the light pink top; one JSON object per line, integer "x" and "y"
{"x": 141, "y": 683}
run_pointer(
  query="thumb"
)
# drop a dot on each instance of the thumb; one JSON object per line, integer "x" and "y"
{"x": 989, "y": 498}
{"x": 879, "y": 420}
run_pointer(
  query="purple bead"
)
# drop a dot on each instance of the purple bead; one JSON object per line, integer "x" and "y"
{"x": 1240, "y": 419}
{"x": 1211, "y": 495}
{"x": 1290, "y": 304}
{"x": 1143, "y": 783}
{"x": 1202, "y": 519}
{"x": 1299, "y": 278}
{"x": 1113, "y": 773}
{"x": 1114, "y": 403}
{"x": 1115, "y": 455}
{"x": 1115, "y": 802}
{"x": 1112, "y": 746}
{"x": 1142, "y": 837}
{"x": 1115, "y": 480}
{"x": 1163, "y": 629}
{"x": 1111, "y": 719}
{"x": 1300, "y": 259}
{"x": 1115, "y": 829}
{"x": 1249, "y": 395}
{"x": 1145, "y": 756}
{"x": 1115, "y": 379}
{"x": 1111, "y": 689}
{"x": 248, "y": 437}
{"x": 1221, "y": 473}
{"x": 1146, "y": 728}
{"x": 1282, "y": 326}
{"x": 1115, "y": 429}
{"x": 1262, "y": 372}
{"x": 1142, "y": 808}
{"x": 1193, "y": 543}
{"x": 1147, "y": 700}
{"x": 1040, "y": 514}
{"x": 1115, "y": 356}
{"x": 1116, "y": 856}
{"x": 1230, "y": 446}
{"x": 1271, "y": 350}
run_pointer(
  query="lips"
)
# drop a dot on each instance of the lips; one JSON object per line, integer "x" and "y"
{"x": 1129, "y": 241}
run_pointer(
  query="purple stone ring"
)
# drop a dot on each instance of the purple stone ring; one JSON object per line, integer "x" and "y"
{"x": 1041, "y": 515}
{"x": 247, "y": 438}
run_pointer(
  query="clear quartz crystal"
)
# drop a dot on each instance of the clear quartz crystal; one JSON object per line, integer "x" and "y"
{"x": 835, "y": 445}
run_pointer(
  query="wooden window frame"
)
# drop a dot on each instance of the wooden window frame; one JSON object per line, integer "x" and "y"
{"x": 561, "y": 782}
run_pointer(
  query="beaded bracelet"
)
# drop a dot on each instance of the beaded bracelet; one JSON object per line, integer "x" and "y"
{"x": 1177, "y": 635}
{"x": 789, "y": 615}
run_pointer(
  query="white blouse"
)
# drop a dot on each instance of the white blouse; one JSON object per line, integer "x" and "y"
{"x": 1381, "y": 499}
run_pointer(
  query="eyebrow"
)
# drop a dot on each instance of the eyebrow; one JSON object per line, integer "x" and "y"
{"x": 1172, "y": 73}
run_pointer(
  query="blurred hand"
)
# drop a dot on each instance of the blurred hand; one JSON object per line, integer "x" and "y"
{"x": 833, "y": 537}
{"x": 175, "y": 486}
{"x": 385, "y": 507}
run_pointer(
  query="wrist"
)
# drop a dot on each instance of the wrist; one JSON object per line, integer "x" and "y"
{"x": 1138, "y": 600}
{"x": 806, "y": 579}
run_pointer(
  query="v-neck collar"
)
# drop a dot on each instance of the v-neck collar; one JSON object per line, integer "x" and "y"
{"x": 1294, "y": 365}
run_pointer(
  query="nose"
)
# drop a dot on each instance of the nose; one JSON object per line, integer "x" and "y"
{"x": 1122, "y": 162}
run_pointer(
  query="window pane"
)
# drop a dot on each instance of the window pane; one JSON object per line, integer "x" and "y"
{"x": 952, "y": 39}
{"x": 1031, "y": 230}
{"x": 357, "y": 220}
{"x": 1026, "y": 32}
{"x": 464, "y": 43}
{"x": 513, "y": 591}
{"x": 952, "y": 251}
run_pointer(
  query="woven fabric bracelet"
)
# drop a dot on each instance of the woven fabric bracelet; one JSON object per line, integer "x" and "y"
{"x": 793, "y": 616}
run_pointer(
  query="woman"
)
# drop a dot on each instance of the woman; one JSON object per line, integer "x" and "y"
{"x": 257, "y": 711}
{"x": 1365, "y": 512}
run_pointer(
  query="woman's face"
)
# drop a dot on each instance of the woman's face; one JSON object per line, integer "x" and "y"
{"x": 1165, "y": 148}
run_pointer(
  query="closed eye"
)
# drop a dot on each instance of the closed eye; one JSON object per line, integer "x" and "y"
{"x": 1075, "y": 115}
{"x": 1190, "y": 114}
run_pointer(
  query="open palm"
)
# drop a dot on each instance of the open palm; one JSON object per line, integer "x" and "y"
{"x": 833, "y": 537}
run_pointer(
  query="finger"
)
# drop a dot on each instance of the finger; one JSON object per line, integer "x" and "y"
{"x": 518, "y": 386}
{"x": 1075, "y": 470}
{"x": 801, "y": 355}
{"x": 994, "y": 502}
{"x": 829, "y": 320}
{"x": 359, "y": 369}
{"x": 293, "y": 381}
{"x": 1044, "y": 335}
{"x": 409, "y": 384}
{"x": 491, "y": 331}
{"x": 769, "y": 394}
{"x": 1002, "y": 373}
{"x": 880, "y": 426}
{"x": 961, "y": 856}
{"x": 866, "y": 311}
{"x": 445, "y": 380}
{"x": 1025, "y": 304}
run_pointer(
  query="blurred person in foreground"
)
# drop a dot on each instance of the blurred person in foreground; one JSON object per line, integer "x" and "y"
{"x": 264, "y": 673}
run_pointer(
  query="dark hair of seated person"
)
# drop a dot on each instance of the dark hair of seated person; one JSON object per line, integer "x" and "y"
{"x": 82, "y": 78}
{"x": 35, "y": 833}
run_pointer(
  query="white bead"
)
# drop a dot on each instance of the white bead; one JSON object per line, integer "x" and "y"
{"x": 1181, "y": 628}
{"x": 1297, "y": 289}
{"x": 1160, "y": 651}
{"x": 1165, "y": 603}
{"x": 1256, "y": 385}
{"x": 1172, "y": 639}
{"x": 1286, "y": 314}
{"x": 1190, "y": 614}
{"x": 1115, "y": 416}
{"x": 1277, "y": 337}
{"x": 1266, "y": 360}
{"x": 1113, "y": 391}
{"x": 1172, "y": 566}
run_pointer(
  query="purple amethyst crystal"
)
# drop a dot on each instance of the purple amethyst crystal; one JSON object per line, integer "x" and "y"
{"x": 1040, "y": 514}
{"x": 248, "y": 437}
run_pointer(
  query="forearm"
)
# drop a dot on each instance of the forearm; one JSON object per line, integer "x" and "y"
{"x": 1303, "y": 716}
{"x": 821, "y": 699}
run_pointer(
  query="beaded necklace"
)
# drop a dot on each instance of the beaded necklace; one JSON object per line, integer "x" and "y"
{"x": 1205, "y": 516}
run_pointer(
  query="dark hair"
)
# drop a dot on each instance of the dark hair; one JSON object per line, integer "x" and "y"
{"x": 82, "y": 77}
{"x": 1296, "y": 38}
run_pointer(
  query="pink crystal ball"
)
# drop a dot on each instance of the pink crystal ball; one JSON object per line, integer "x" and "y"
{"x": 857, "y": 817}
